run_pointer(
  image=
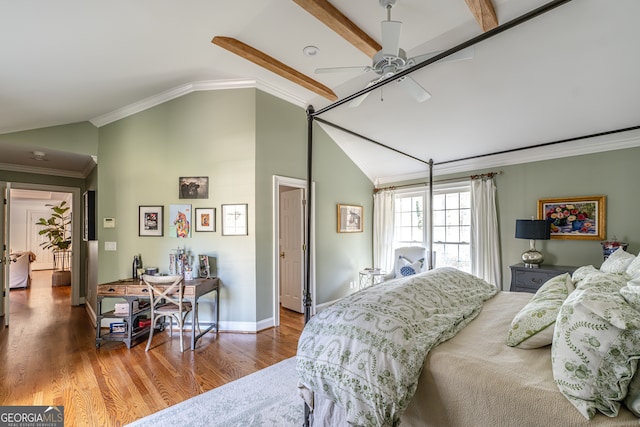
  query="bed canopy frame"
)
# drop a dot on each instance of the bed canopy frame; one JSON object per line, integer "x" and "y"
{"x": 313, "y": 116}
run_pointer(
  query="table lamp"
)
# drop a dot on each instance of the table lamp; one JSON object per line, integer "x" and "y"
{"x": 532, "y": 229}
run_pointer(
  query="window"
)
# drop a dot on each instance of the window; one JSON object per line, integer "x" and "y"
{"x": 451, "y": 223}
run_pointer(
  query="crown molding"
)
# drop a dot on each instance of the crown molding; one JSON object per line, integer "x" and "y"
{"x": 592, "y": 145}
{"x": 185, "y": 89}
{"x": 43, "y": 171}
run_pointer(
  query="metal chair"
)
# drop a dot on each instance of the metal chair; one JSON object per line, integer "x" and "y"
{"x": 166, "y": 299}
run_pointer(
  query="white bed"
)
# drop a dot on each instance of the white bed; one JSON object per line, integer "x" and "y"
{"x": 475, "y": 379}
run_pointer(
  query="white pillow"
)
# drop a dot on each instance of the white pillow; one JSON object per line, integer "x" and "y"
{"x": 617, "y": 262}
{"x": 533, "y": 326}
{"x": 634, "y": 268}
{"x": 404, "y": 267}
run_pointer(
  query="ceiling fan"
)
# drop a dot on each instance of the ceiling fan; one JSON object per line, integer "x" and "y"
{"x": 391, "y": 59}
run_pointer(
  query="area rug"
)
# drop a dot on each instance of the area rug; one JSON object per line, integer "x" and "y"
{"x": 265, "y": 398}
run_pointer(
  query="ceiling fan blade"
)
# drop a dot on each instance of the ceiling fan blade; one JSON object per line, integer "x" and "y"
{"x": 391, "y": 37}
{"x": 359, "y": 100}
{"x": 363, "y": 69}
{"x": 326, "y": 13}
{"x": 412, "y": 87}
{"x": 467, "y": 53}
{"x": 265, "y": 61}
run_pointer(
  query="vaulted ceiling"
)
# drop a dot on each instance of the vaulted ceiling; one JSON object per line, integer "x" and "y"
{"x": 566, "y": 73}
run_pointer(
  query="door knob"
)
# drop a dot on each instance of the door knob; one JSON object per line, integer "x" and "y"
{"x": 282, "y": 255}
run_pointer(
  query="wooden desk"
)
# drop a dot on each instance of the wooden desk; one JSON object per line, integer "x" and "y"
{"x": 133, "y": 290}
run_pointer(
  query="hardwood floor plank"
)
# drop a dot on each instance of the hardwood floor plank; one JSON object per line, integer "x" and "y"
{"x": 48, "y": 357}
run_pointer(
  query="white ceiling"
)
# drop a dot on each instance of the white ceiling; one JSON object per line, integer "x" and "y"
{"x": 568, "y": 73}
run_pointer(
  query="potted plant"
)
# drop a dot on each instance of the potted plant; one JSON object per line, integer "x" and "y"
{"x": 57, "y": 228}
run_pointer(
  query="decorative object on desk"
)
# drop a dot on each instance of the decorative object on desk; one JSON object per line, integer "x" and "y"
{"x": 350, "y": 218}
{"x": 136, "y": 266}
{"x": 194, "y": 187}
{"x": 205, "y": 219}
{"x": 234, "y": 220}
{"x": 180, "y": 262}
{"x": 581, "y": 218}
{"x": 151, "y": 271}
{"x": 57, "y": 229}
{"x": 180, "y": 221}
{"x": 150, "y": 221}
{"x": 611, "y": 246}
{"x": 532, "y": 229}
{"x": 205, "y": 267}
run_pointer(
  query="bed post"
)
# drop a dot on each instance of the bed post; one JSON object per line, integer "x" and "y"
{"x": 307, "y": 260}
{"x": 430, "y": 214}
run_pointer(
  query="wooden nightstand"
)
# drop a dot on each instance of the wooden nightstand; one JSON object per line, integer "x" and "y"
{"x": 525, "y": 279}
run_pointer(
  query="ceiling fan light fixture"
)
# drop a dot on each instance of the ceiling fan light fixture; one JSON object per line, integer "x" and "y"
{"x": 310, "y": 50}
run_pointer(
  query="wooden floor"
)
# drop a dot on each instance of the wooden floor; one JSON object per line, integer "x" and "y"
{"x": 48, "y": 357}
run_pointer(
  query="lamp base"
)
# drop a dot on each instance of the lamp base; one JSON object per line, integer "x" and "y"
{"x": 532, "y": 258}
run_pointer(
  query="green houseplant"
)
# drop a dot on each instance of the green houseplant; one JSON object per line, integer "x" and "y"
{"x": 57, "y": 228}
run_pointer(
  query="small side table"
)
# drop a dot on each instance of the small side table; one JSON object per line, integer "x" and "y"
{"x": 370, "y": 276}
{"x": 524, "y": 279}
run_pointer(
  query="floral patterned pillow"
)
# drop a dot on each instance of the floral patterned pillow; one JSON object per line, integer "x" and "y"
{"x": 596, "y": 347}
{"x": 617, "y": 262}
{"x": 533, "y": 325}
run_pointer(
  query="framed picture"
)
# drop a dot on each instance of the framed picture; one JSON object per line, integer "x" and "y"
{"x": 180, "y": 221}
{"x": 150, "y": 220}
{"x": 205, "y": 219}
{"x": 575, "y": 217}
{"x": 350, "y": 219}
{"x": 234, "y": 220}
{"x": 193, "y": 187}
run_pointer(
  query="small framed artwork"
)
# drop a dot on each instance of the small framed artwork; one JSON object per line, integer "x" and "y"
{"x": 579, "y": 218}
{"x": 234, "y": 220}
{"x": 193, "y": 187}
{"x": 150, "y": 220}
{"x": 350, "y": 218}
{"x": 180, "y": 221}
{"x": 205, "y": 219}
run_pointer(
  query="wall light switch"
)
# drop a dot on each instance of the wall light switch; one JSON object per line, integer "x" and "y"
{"x": 110, "y": 246}
{"x": 108, "y": 222}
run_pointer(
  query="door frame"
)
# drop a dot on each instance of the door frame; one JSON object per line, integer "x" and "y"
{"x": 76, "y": 236}
{"x": 282, "y": 181}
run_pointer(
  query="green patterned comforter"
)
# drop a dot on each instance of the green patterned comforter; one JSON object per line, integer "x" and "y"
{"x": 366, "y": 352}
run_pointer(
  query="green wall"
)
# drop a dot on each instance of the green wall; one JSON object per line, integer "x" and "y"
{"x": 240, "y": 139}
{"x": 520, "y": 186}
{"x": 79, "y": 138}
{"x": 141, "y": 158}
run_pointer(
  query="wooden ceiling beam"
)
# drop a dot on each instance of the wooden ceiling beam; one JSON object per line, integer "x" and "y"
{"x": 484, "y": 13}
{"x": 326, "y": 13}
{"x": 265, "y": 61}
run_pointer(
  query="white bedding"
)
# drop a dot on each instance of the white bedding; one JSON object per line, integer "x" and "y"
{"x": 474, "y": 379}
{"x": 19, "y": 270}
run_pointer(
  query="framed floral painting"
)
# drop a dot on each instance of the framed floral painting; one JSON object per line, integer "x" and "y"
{"x": 575, "y": 217}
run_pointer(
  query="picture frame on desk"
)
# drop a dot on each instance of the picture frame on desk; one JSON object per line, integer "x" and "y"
{"x": 576, "y": 218}
{"x": 150, "y": 221}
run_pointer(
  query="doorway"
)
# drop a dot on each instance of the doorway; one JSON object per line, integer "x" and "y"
{"x": 290, "y": 226}
{"x": 39, "y": 196}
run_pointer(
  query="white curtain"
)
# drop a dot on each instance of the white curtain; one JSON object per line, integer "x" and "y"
{"x": 383, "y": 214}
{"x": 485, "y": 242}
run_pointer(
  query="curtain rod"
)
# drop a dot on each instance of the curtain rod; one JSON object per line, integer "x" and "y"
{"x": 419, "y": 184}
{"x": 499, "y": 29}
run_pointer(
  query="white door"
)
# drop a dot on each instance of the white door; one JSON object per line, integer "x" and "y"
{"x": 291, "y": 250}
{"x": 44, "y": 257}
